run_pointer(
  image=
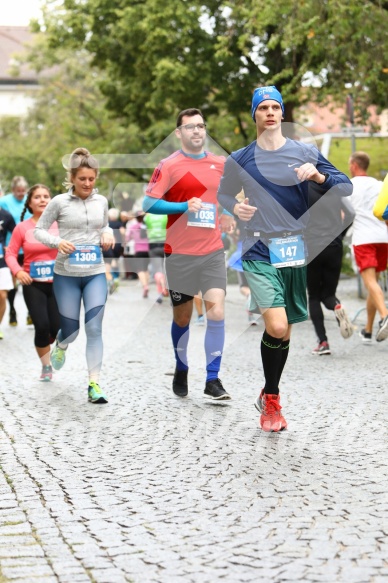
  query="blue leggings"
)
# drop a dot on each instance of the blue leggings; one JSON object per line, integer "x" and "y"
{"x": 69, "y": 292}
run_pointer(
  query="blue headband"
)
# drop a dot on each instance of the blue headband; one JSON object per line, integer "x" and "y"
{"x": 264, "y": 93}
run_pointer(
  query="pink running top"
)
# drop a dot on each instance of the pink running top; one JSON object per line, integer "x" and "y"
{"x": 138, "y": 233}
{"x": 23, "y": 238}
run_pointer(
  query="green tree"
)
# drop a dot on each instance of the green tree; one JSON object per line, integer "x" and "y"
{"x": 341, "y": 46}
{"x": 121, "y": 71}
{"x": 157, "y": 59}
{"x": 161, "y": 57}
{"x": 69, "y": 111}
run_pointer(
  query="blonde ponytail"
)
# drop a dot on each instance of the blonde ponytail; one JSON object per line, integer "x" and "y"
{"x": 79, "y": 158}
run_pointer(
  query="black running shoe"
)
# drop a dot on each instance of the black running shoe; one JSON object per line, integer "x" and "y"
{"x": 12, "y": 317}
{"x": 366, "y": 336}
{"x": 179, "y": 383}
{"x": 382, "y": 332}
{"x": 215, "y": 391}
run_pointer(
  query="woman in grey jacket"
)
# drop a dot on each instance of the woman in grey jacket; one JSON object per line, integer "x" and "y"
{"x": 79, "y": 271}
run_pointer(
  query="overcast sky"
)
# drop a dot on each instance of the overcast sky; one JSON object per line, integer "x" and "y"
{"x": 18, "y": 12}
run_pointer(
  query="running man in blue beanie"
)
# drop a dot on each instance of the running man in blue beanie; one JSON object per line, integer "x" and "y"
{"x": 277, "y": 175}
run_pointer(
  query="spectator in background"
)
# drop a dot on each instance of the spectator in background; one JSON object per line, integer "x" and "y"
{"x": 14, "y": 204}
{"x": 370, "y": 243}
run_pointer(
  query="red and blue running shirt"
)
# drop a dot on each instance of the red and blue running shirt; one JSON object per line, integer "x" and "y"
{"x": 177, "y": 179}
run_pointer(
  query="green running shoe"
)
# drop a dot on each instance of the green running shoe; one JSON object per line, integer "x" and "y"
{"x": 57, "y": 357}
{"x": 95, "y": 393}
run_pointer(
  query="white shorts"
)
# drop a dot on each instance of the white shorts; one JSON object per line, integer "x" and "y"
{"x": 6, "y": 282}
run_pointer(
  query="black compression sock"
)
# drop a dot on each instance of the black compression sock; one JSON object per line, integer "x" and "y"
{"x": 285, "y": 348}
{"x": 271, "y": 355}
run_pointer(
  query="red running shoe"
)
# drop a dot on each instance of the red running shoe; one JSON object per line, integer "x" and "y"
{"x": 271, "y": 418}
{"x": 322, "y": 348}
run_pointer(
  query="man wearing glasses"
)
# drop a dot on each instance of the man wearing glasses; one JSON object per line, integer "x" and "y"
{"x": 184, "y": 187}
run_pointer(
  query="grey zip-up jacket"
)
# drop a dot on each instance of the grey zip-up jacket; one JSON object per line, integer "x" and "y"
{"x": 82, "y": 222}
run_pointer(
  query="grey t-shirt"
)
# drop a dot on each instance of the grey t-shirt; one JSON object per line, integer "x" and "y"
{"x": 80, "y": 221}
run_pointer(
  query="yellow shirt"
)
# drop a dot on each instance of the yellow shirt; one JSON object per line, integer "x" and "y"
{"x": 380, "y": 210}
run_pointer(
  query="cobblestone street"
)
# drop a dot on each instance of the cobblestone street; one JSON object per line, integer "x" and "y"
{"x": 151, "y": 488}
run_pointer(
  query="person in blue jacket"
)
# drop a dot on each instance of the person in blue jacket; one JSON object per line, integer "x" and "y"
{"x": 14, "y": 204}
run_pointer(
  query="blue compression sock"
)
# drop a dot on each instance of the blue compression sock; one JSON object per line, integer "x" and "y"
{"x": 180, "y": 340}
{"x": 214, "y": 345}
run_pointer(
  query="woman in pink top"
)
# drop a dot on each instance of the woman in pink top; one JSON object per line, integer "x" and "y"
{"x": 137, "y": 232}
{"x": 36, "y": 275}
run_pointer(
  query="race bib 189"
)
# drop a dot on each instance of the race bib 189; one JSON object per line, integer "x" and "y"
{"x": 85, "y": 255}
{"x": 42, "y": 270}
{"x": 205, "y": 217}
{"x": 287, "y": 252}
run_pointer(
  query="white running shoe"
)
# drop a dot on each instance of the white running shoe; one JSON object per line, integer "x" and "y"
{"x": 346, "y": 327}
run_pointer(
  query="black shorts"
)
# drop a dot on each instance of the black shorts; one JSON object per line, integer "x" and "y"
{"x": 141, "y": 261}
{"x": 116, "y": 252}
{"x": 189, "y": 274}
{"x": 156, "y": 250}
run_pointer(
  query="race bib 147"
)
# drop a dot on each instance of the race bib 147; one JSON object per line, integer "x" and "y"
{"x": 287, "y": 252}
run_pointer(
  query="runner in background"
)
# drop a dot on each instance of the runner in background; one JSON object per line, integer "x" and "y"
{"x": 36, "y": 275}
{"x": 79, "y": 270}
{"x": 198, "y": 303}
{"x": 380, "y": 209}
{"x": 235, "y": 263}
{"x": 156, "y": 235}
{"x": 14, "y": 204}
{"x": 370, "y": 242}
{"x": 136, "y": 233}
{"x": 323, "y": 271}
{"x": 7, "y": 225}
{"x": 112, "y": 255}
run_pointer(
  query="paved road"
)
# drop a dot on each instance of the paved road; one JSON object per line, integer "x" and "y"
{"x": 150, "y": 488}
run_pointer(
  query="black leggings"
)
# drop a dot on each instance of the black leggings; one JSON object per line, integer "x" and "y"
{"x": 43, "y": 309}
{"x": 322, "y": 279}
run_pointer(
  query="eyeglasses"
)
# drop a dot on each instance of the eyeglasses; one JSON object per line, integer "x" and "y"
{"x": 190, "y": 127}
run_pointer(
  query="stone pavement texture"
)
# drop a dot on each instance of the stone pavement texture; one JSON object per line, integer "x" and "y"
{"x": 150, "y": 488}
